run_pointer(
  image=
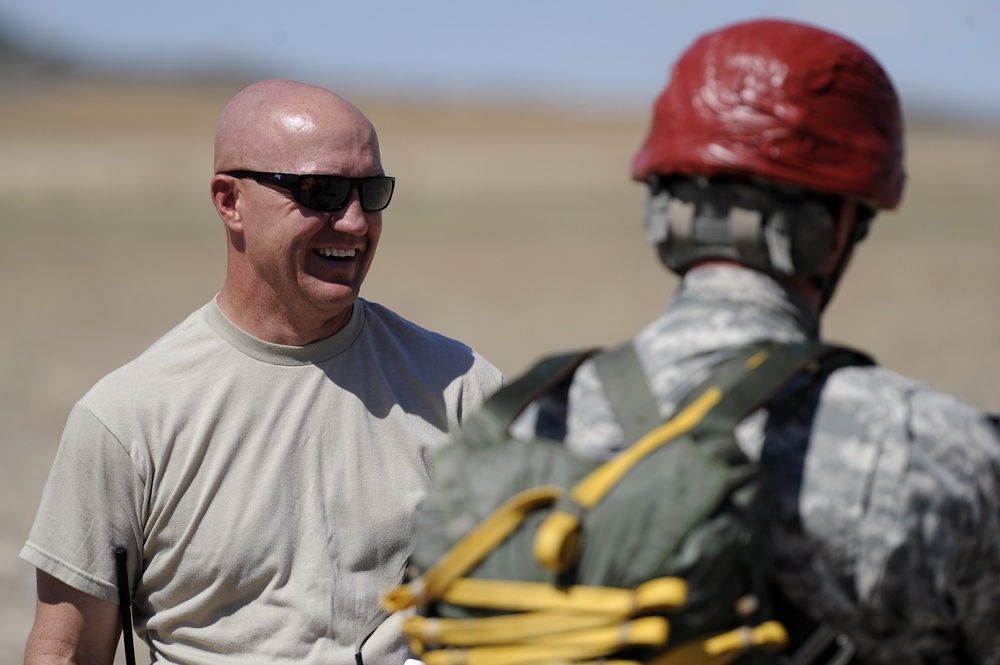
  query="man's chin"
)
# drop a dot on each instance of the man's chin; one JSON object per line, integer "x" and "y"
{"x": 336, "y": 301}
{"x": 331, "y": 296}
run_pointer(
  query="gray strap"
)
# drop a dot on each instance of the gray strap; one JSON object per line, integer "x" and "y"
{"x": 627, "y": 391}
{"x": 680, "y": 222}
{"x": 744, "y": 229}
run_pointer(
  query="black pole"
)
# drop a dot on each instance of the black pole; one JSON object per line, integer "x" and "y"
{"x": 125, "y": 603}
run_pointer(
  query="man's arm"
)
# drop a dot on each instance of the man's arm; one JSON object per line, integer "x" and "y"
{"x": 71, "y": 626}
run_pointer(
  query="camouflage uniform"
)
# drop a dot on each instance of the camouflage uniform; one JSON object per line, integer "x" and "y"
{"x": 883, "y": 495}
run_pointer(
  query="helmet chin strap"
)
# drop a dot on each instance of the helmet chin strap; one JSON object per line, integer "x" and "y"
{"x": 827, "y": 284}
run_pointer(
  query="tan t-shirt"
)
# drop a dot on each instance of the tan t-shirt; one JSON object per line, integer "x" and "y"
{"x": 264, "y": 492}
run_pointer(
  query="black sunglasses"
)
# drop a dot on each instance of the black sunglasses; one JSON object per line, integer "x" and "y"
{"x": 328, "y": 192}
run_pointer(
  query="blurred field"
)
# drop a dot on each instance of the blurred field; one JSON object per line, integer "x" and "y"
{"x": 517, "y": 231}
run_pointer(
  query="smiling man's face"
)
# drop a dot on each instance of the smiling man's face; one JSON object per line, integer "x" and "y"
{"x": 315, "y": 261}
{"x": 300, "y": 268}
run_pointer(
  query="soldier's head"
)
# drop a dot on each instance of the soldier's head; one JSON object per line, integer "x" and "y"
{"x": 773, "y": 145}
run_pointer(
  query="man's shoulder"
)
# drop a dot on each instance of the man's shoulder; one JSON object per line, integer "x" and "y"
{"x": 875, "y": 389}
{"x": 379, "y": 315}
{"x": 382, "y": 322}
{"x": 391, "y": 332}
{"x": 174, "y": 354}
{"x": 942, "y": 435}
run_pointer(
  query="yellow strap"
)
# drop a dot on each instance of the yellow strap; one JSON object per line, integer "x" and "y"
{"x": 757, "y": 359}
{"x": 726, "y": 647}
{"x": 592, "y": 489}
{"x": 768, "y": 635}
{"x": 556, "y": 541}
{"x": 663, "y": 594}
{"x": 504, "y": 629}
{"x": 471, "y": 549}
{"x": 644, "y": 632}
{"x": 576, "y": 646}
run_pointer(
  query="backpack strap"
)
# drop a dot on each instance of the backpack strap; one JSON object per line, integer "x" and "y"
{"x": 491, "y": 421}
{"x": 627, "y": 390}
{"x": 736, "y": 388}
{"x": 763, "y": 373}
{"x": 635, "y": 407}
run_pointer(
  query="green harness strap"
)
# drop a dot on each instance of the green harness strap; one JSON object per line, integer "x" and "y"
{"x": 736, "y": 387}
{"x": 744, "y": 392}
{"x": 492, "y": 421}
{"x": 627, "y": 390}
{"x": 632, "y": 402}
{"x": 746, "y": 381}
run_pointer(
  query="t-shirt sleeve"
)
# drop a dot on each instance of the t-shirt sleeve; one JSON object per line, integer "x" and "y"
{"x": 90, "y": 505}
{"x": 476, "y": 386}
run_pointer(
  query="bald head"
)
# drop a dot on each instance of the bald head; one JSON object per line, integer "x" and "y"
{"x": 277, "y": 125}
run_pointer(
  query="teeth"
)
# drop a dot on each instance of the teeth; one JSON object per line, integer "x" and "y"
{"x": 339, "y": 253}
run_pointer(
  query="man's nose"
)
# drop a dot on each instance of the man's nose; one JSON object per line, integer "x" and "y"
{"x": 351, "y": 218}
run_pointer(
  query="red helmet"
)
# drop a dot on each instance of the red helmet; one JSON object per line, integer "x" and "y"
{"x": 783, "y": 102}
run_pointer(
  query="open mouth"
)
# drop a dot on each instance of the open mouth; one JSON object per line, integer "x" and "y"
{"x": 332, "y": 253}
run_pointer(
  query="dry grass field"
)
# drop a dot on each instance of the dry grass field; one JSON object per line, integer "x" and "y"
{"x": 517, "y": 231}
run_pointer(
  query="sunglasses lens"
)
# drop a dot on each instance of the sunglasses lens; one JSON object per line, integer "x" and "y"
{"x": 324, "y": 192}
{"x": 330, "y": 192}
{"x": 376, "y": 193}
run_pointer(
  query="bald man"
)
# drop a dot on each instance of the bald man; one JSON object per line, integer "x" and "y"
{"x": 260, "y": 463}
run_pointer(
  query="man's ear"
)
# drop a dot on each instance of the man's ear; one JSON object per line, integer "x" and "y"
{"x": 226, "y": 198}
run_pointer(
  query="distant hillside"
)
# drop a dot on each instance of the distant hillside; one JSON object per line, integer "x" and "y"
{"x": 21, "y": 67}
{"x": 86, "y": 91}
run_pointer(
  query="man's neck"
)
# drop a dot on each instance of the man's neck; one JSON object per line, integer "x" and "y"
{"x": 278, "y": 325}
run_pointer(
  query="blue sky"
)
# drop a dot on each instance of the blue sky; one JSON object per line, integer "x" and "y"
{"x": 614, "y": 53}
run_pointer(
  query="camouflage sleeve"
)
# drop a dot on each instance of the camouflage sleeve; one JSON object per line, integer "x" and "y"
{"x": 963, "y": 541}
{"x": 900, "y": 509}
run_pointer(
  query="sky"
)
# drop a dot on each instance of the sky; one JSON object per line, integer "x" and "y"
{"x": 942, "y": 54}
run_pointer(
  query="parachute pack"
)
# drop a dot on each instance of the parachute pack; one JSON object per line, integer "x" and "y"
{"x": 526, "y": 553}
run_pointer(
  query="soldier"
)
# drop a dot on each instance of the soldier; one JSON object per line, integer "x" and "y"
{"x": 770, "y": 152}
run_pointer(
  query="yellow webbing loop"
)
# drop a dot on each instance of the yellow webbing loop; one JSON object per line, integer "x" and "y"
{"x": 726, "y": 647}
{"x": 768, "y": 635}
{"x": 555, "y": 543}
{"x": 663, "y": 594}
{"x": 471, "y": 549}
{"x": 568, "y": 646}
{"x": 503, "y": 629}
